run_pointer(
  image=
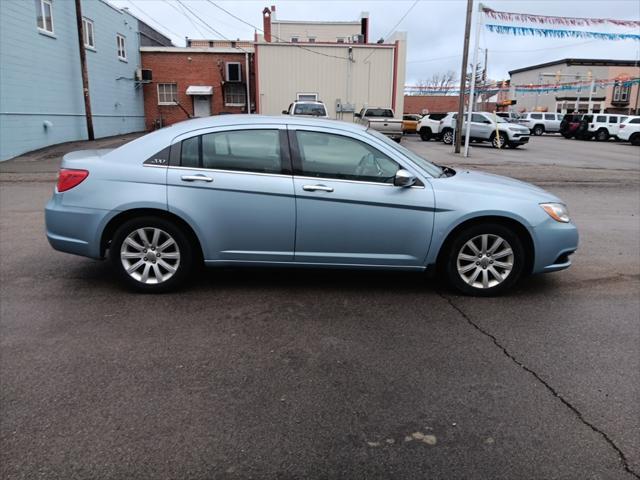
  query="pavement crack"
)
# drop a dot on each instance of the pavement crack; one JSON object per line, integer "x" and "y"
{"x": 547, "y": 385}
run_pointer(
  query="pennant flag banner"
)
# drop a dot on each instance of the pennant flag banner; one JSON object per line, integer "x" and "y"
{"x": 555, "y": 33}
{"x": 550, "y": 20}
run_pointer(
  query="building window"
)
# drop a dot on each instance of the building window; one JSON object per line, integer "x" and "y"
{"x": 167, "y": 93}
{"x": 295, "y": 39}
{"x": 312, "y": 39}
{"x": 233, "y": 72}
{"x": 235, "y": 95}
{"x": 44, "y": 11}
{"x": 307, "y": 97}
{"x": 122, "y": 48}
{"x": 340, "y": 40}
{"x": 621, "y": 92}
{"x": 87, "y": 30}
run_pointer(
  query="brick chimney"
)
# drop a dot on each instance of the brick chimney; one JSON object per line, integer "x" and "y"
{"x": 266, "y": 22}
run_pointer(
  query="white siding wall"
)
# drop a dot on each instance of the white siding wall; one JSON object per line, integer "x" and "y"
{"x": 285, "y": 70}
{"x": 324, "y": 32}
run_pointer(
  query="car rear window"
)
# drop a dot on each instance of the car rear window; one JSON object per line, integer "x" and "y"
{"x": 379, "y": 112}
{"x": 601, "y": 119}
{"x": 310, "y": 109}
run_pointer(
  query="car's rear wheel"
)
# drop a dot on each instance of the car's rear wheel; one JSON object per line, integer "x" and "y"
{"x": 151, "y": 254}
{"x": 602, "y": 135}
{"x": 635, "y": 139}
{"x": 485, "y": 260}
{"x": 447, "y": 136}
{"x": 425, "y": 134}
{"x": 538, "y": 130}
{"x": 498, "y": 141}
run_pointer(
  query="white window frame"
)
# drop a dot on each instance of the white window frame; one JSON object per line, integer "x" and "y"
{"x": 341, "y": 40}
{"x": 244, "y": 95}
{"x": 306, "y": 94}
{"x": 311, "y": 39}
{"x": 295, "y": 39}
{"x": 86, "y": 23}
{"x": 621, "y": 92}
{"x": 164, "y": 102}
{"x": 44, "y": 29}
{"x": 226, "y": 72}
{"x": 121, "y": 39}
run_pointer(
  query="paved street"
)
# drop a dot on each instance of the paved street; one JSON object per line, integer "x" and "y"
{"x": 330, "y": 374}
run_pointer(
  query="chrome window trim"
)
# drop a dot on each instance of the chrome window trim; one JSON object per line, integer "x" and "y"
{"x": 217, "y": 170}
{"x": 344, "y": 180}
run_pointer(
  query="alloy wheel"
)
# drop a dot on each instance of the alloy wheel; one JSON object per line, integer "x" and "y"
{"x": 485, "y": 261}
{"x": 150, "y": 255}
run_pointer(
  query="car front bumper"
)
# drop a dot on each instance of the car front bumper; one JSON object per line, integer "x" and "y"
{"x": 554, "y": 243}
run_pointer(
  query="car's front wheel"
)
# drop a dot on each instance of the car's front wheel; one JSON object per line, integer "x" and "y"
{"x": 151, "y": 254}
{"x": 498, "y": 141}
{"x": 485, "y": 260}
{"x": 538, "y": 130}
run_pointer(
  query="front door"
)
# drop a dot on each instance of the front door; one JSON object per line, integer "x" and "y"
{"x": 234, "y": 187}
{"x": 202, "y": 105}
{"x": 348, "y": 210}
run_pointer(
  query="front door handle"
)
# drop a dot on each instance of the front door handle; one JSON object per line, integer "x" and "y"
{"x": 196, "y": 178}
{"x": 314, "y": 188}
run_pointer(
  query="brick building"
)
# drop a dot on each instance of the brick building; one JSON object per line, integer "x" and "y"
{"x": 196, "y": 82}
{"x": 440, "y": 104}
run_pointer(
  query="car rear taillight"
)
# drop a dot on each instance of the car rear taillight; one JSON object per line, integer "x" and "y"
{"x": 622, "y": 126}
{"x": 67, "y": 178}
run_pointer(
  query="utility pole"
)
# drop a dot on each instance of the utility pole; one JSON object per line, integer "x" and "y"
{"x": 472, "y": 87}
{"x": 463, "y": 75}
{"x": 85, "y": 75}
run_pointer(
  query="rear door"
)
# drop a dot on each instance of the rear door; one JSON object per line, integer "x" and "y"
{"x": 234, "y": 186}
{"x": 552, "y": 122}
{"x": 348, "y": 210}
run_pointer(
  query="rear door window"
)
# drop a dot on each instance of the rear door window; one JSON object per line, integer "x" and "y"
{"x": 237, "y": 150}
{"x": 536, "y": 116}
{"x": 549, "y": 116}
{"x": 601, "y": 119}
{"x": 613, "y": 119}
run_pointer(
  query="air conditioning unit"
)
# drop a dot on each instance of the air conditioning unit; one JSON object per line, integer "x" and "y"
{"x": 143, "y": 75}
{"x": 358, "y": 38}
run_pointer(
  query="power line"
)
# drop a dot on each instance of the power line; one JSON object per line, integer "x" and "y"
{"x": 154, "y": 20}
{"x": 183, "y": 12}
{"x": 275, "y": 36}
{"x": 395, "y": 26}
{"x": 209, "y": 26}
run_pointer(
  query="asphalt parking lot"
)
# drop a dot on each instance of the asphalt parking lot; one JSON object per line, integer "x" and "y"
{"x": 306, "y": 374}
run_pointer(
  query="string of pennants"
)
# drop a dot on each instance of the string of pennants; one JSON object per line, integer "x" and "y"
{"x": 541, "y": 88}
{"x": 542, "y": 22}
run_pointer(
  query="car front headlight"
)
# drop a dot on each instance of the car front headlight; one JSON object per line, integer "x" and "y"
{"x": 557, "y": 211}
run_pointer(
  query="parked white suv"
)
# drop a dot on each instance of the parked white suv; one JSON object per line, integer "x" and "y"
{"x": 541, "y": 122}
{"x": 605, "y": 125}
{"x": 630, "y": 131}
{"x": 430, "y": 126}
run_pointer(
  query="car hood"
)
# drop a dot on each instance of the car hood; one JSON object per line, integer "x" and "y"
{"x": 471, "y": 181}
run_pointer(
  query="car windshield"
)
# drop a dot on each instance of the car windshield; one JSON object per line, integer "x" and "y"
{"x": 427, "y": 166}
{"x": 310, "y": 109}
{"x": 379, "y": 112}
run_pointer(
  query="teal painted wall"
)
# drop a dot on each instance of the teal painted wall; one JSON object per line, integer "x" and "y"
{"x": 40, "y": 78}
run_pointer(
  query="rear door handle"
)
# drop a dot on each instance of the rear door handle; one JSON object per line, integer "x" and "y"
{"x": 320, "y": 188}
{"x": 196, "y": 178}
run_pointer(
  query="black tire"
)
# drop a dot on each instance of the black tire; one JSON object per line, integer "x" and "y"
{"x": 447, "y": 136}
{"x": 494, "y": 141}
{"x": 635, "y": 139}
{"x": 425, "y": 134}
{"x": 184, "y": 249}
{"x": 602, "y": 135}
{"x": 538, "y": 130}
{"x": 451, "y": 266}
{"x": 568, "y": 136}
{"x": 513, "y": 145}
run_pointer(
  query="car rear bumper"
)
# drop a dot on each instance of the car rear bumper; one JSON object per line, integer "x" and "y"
{"x": 74, "y": 230}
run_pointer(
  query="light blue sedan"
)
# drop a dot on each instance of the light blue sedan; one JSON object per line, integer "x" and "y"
{"x": 288, "y": 191}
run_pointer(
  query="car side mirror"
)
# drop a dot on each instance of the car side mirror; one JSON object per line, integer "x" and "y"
{"x": 285, "y": 112}
{"x": 404, "y": 178}
{"x": 357, "y": 115}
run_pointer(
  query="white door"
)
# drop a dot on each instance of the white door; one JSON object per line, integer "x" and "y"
{"x": 201, "y": 105}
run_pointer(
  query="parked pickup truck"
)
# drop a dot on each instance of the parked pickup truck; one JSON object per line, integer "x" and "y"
{"x": 382, "y": 120}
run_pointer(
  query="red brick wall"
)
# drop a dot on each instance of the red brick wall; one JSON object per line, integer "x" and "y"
{"x": 437, "y": 103}
{"x": 185, "y": 69}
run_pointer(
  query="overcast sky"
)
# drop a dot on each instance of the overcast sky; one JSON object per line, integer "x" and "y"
{"x": 435, "y": 28}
